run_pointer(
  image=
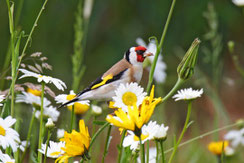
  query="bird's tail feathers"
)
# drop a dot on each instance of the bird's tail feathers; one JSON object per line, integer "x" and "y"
{"x": 71, "y": 101}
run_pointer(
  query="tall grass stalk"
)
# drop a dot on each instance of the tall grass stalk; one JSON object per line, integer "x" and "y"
{"x": 94, "y": 137}
{"x": 8, "y": 54}
{"x": 183, "y": 131}
{"x": 47, "y": 144}
{"x": 159, "y": 46}
{"x": 12, "y": 50}
{"x": 28, "y": 135}
{"x": 14, "y": 77}
{"x": 77, "y": 58}
{"x": 121, "y": 146}
{"x": 41, "y": 125}
{"x": 107, "y": 143}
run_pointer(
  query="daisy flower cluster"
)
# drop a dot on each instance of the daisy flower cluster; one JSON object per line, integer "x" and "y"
{"x": 32, "y": 97}
{"x": 133, "y": 111}
{"x": 71, "y": 145}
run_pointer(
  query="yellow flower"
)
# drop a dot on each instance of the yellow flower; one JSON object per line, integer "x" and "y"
{"x": 217, "y": 147}
{"x": 76, "y": 143}
{"x": 80, "y": 107}
{"x": 34, "y": 91}
{"x": 136, "y": 116}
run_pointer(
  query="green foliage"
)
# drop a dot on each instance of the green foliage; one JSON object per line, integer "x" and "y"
{"x": 213, "y": 55}
{"x": 77, "y": 58}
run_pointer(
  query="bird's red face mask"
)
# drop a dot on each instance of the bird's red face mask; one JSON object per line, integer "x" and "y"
{"x": 140, "y": 52}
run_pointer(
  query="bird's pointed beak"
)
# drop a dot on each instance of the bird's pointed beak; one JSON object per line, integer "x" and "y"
{"x": 147, "y": 54}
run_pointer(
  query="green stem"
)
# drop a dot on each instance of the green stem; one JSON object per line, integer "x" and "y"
{"x": 72, "y": 118}
{"x": 204, "y": 135}
{"x": 97, "y": 133}
{"x": 107, "y": 143}
{"x": 160, "y": 46}
{"x": 12, "y": 42}
{"x": 219, "y": 160}
{"x": 31, "y": 32}
{"x": 183, "y": 131}
{"x": 174, "y": 89}
{"x": 41, "y": 125}
{"x": 162, "y": 150}
{"x": 121, "y": 146}
{"x": 27, "y": 42}
{"x": 142, "y": 150}
{"x": 156, "y": 142}
{"x": 29, "y": 135}
{"x": 47, "y": 144}
{"x": 147, "y": 151}
{"x": 94, "y": 126}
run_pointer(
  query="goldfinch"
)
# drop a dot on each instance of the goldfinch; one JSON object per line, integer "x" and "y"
{"x": 129, "y": 69}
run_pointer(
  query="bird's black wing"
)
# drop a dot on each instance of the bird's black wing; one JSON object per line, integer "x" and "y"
{"x": 102, "y": 81}
{"x": 96, "y": 84}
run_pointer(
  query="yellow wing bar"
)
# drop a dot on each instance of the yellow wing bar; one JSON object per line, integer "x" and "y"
{"x": 105, "y": 79}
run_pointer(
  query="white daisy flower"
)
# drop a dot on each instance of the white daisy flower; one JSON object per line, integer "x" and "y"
{"x": 187, "y": 94}
{"x": 29, "y": 98}
{"x": 133, "y": 141}
{"x": 1, "y": 99}
{"x": 238, "y": 2}
{"x": 48, "y": 112}
{"x": 47, "y": 79}
{"x": 4, "y": 158}
{"x": 8, "y": 136}
{"x": 159, "y": 73}
{"x": 54, "y": 149}
{"x": 152, "y": 155}
{"x": 127, "y": 95}
{"x": 236, "y": 137}
{"x": 60, "y": 133}
{"x": 97, "y": 110}
{"x": 80, "y": 107}
{"x": 158, "y": 131}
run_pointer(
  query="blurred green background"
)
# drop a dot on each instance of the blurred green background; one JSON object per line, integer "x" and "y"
{"x": 113, "y": 28}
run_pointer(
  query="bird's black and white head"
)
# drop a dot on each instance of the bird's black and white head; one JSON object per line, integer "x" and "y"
{"x": 136, "y": 55}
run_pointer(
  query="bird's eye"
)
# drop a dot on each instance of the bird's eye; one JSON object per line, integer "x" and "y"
{"x": 140, "y": 52}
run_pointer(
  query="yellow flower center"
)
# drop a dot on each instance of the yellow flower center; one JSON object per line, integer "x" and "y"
{"x": 40, "y": 76}
{"x": 129, "y": 98}
{"x": 78, "y": 107}
{"x": 34, "y": 91}
{"x": 70, "y": 97}
{"x": 136, "y": 138}
{"x": 2, "y": 131}
{"x": 55, "y": 153}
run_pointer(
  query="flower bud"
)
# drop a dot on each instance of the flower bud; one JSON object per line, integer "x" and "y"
{"x": 186, "y": 68}
{"x": 96, "y": 110}
{"x": 50, "y": 123}
{"x": 240, "y": 123}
